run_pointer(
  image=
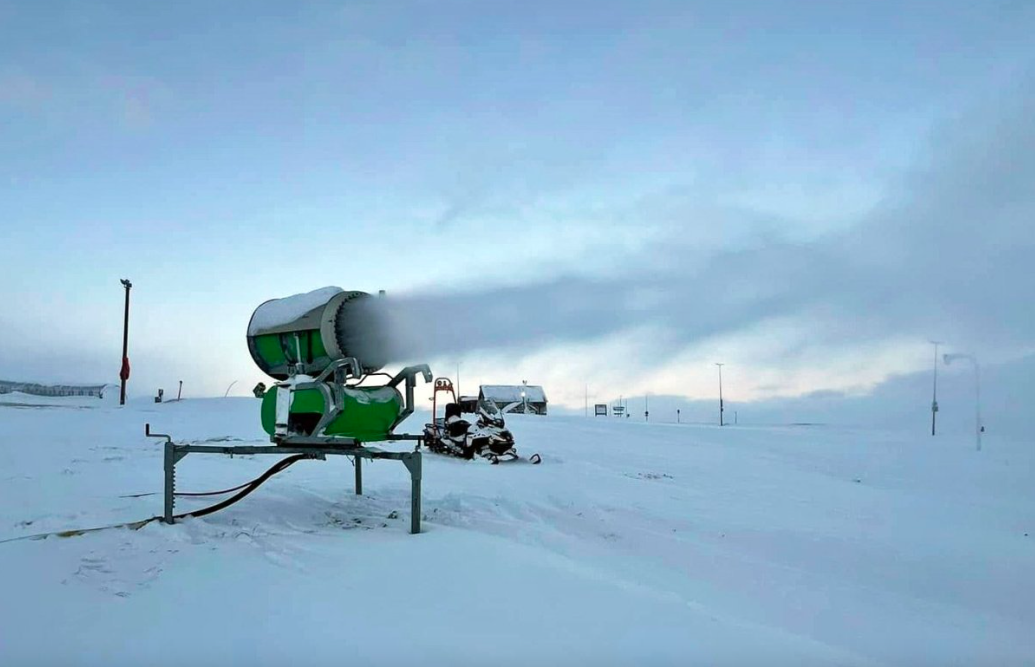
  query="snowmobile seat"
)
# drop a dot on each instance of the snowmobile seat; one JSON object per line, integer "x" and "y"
{"x": 457, "y": 429}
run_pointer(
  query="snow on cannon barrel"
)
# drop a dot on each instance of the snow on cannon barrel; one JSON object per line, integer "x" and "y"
{"x": 305, "y": 333}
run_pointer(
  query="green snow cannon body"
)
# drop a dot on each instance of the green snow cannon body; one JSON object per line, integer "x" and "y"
{"x": 367, "y": 414}
{"x": 313, "y": 343}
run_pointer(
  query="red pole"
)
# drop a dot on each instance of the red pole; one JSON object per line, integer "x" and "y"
{"x": 124, "y": 373}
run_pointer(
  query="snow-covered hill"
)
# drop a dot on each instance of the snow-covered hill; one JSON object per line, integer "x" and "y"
{"x": 631, "y": 544}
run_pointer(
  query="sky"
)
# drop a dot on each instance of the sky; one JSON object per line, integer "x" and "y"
{"x": 604, "y": 198}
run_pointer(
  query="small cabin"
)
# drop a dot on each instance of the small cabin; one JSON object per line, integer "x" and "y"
{"x": 520, "y": 398}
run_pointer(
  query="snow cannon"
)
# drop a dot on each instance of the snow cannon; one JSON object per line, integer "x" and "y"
{"x": 321, "y": 346}
{"x": 305, "y": 333}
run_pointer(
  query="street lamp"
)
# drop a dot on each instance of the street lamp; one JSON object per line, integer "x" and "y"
{"x": 720, "y": 394}
{"x": 978, "y": 428}
{"x": 124, "y": 371}
{"x": 934, "y": 399}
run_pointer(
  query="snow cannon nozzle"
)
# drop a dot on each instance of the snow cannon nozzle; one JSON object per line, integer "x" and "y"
{"x": 306, "y": 333}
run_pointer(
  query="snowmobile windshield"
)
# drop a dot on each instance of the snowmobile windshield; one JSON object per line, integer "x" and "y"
{"x": 490, "y": 408}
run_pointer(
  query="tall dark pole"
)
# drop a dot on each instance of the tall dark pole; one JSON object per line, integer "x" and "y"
{"x": 721, "y": 407}
{"x": 978, "y": 428}
{"x": 934, "y": 399}
{"x": 124, "y": 372}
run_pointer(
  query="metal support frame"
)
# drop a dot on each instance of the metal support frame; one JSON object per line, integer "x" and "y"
{"x": 409, "y": 374}
{"x": 316, "y": 448}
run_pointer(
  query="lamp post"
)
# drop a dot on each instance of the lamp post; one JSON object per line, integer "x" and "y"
{"x": 124, "y": 371}
{"x": 934, "y": 397}
{"x": 721, "y": 407}
{"x": 978, "y": 428}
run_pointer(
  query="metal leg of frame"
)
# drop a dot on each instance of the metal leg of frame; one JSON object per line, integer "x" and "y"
{"x": 413, "y": 464}
{"x": 170, "y": 481}
{"x": 359, "y": 475}
{"x": 415, "y": 506}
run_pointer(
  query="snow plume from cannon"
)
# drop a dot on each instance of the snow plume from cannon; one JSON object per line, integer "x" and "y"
{"x": 951, "y": 250}
{"x": 574, "y": 309}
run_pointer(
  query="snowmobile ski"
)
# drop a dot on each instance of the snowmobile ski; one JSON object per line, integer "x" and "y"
{"x": 534, "y": 459}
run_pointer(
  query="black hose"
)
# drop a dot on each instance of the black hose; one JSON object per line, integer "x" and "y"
{"x": 279, "y": 466}
{"x": 185, "y": 494}
{"x": 200, "y": 494}
{"x": 248, "y": 488}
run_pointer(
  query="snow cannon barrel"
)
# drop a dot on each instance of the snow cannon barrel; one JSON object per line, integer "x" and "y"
{"x": 307, "y": 332}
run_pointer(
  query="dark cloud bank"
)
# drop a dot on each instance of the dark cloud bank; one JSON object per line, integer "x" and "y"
{"x": 949, "y": 254}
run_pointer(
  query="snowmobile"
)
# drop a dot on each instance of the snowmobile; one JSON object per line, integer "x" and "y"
{"x": 487, "y": 438}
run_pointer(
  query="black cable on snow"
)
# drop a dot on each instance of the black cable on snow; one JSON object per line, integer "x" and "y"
{"x": 247, "y": 488}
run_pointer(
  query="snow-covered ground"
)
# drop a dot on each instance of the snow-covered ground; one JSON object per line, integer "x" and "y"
{"x": 632, "y": 544}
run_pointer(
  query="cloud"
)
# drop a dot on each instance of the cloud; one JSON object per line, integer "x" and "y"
{"x": 21, "y": 90}
{"x": 128, "y": 101}
{"x": 947, "y": 254}
{"x": 132, "y": 98}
